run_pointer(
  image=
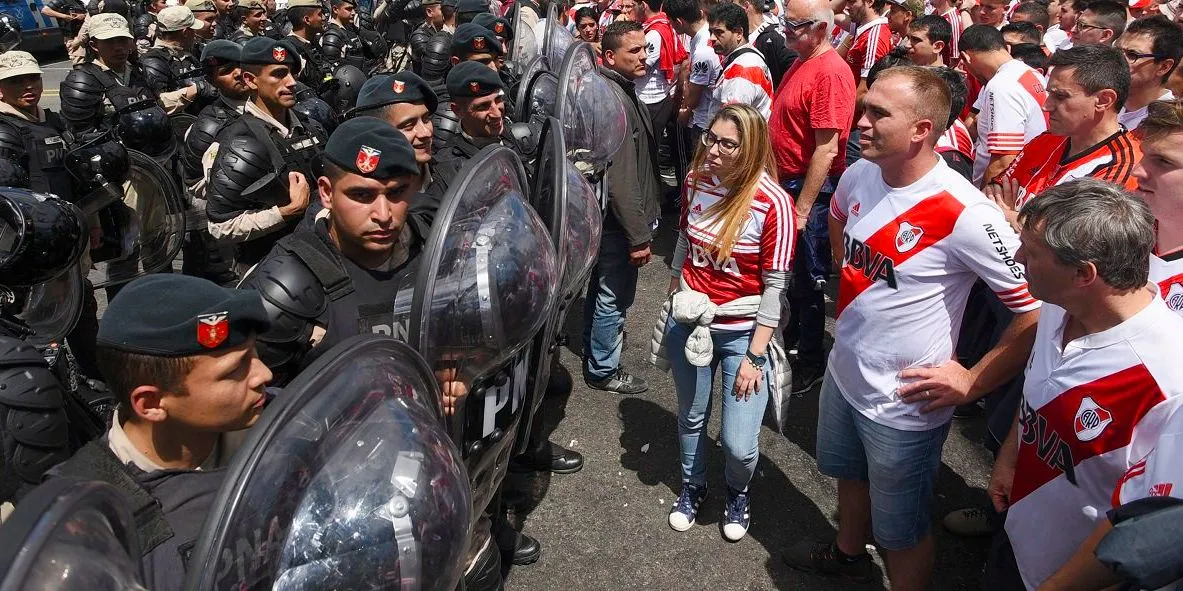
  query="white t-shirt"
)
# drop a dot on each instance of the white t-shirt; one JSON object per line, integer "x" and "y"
{"x": 1054, "y": 38}
{"x": 1082, "y": 404}
{"x": 704, "y": 70}
{"x": 1168, "y": 276}
{"x": 653, "y": 87}
{"x": 1009, "y": 112}
{"x": 912, "y": 254}
{"x": 745, "y": 80}
{"x": 1132, "y": 119}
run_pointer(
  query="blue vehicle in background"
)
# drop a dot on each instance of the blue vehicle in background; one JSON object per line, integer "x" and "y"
{"x": 37, "y": 32}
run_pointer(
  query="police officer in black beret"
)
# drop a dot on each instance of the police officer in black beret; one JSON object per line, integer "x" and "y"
{"x": 499, "y": 25}
{"x": 474, "y": 43}
{"x": 178, "y": 353}
{"x": 221, "y": 62}
{"x": 407, "y": 102}
{"x": 264, "y": 163}
{"x": 342, "y": 276}
{"x": 477, "y": 98}
{"x": 467, "y": 10}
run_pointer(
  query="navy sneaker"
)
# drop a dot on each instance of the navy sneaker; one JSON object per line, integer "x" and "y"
{"x": 686, "y": 509}
{"x": 737, "y": 516}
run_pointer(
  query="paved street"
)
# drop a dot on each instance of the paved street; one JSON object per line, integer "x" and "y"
{"x": 55, "y": 67}
{"x": 605, "y": 527}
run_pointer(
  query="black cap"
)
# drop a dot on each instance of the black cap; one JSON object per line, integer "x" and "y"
{"x": 221, "y": 50}
{"x": 472, "y": 80}
{"x": 451, "y": 3}
{"x": 472, "y": 38}
{"x": 471, "y": 6}
{"x": 174, "y": 315}
{"x": 403, "y": 87}
{"x": 499, "y": 25}
{"x": 268, "y": 51}
{"x": 372, "y": 148}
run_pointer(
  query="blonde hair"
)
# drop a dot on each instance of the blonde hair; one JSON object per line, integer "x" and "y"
{"x": 753, "y": 159}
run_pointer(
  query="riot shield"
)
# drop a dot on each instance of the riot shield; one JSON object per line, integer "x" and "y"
{"x": 348, "y": 481}
{"x": 567, "y": 205}
{"x": 557, "y": 38}
{"x": 143, "y": 232}
{"x": 524, "y": 47}
{"x": 486, "y": 285}
{"x": 70, "y": 534}
{"x": 52, "y": 308}
{"x": 535, "y": 92}
{"x": 594, "y": 119}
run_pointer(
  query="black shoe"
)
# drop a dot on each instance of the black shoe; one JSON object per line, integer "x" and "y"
{"x": 826, "y": 559}
{"x": 621, "y": 383}
{"x": 805, "y": 377}
{"x": 485, "y": 572}
{"x": 519, "y": 548}
{"x": 548, "y": 458}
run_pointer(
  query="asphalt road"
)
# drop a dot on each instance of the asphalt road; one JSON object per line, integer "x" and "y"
{"x": 605, "y": 527}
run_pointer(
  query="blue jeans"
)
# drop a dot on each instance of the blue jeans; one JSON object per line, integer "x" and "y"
{"x": 900, "y": 466}
{"x": 610, "y": 293}
{"x": 807, "y": 305}
{"x": 741, "y": 418}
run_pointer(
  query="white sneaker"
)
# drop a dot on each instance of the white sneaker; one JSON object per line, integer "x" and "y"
{"x": 686, "y": 509}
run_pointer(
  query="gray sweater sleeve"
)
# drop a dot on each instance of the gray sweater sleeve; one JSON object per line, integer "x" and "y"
{"x": 680, "y": 251}
{"x": 770, "y": 304}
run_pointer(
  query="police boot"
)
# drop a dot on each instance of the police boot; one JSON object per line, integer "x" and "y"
{"x": 519, "y": 548}
{"x": 547, "y": 457}
{"x": 485, "y": 572}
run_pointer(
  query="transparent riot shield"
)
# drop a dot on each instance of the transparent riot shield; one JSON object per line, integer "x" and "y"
{"x": 594, "y": 119}
{"x": 348, "y": 481}
{"x": 143, "y": 232}
{"x": 537, "y": 94}
{"x": 70, "y": 534}
{"x": 557, "y": 39}
{"x": 52, "y": 308}
{"x": 525, "y": 45}
{"x": 486, "y": 285}
{"x": 567, "y": 204}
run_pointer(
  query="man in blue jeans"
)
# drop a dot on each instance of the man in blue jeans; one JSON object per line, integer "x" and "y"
{"x": 633, "y": 210}
{"x": 807, "y": 298}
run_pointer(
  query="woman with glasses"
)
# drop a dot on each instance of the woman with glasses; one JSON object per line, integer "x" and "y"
{"x": 735, "y": 248}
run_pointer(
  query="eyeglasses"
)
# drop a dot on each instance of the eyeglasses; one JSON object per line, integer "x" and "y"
{"x": 1133, "y": 56}
{"x": 1081, "y": 26}
{"x": 795, "y": 25}
{"x": 726, "y": 147}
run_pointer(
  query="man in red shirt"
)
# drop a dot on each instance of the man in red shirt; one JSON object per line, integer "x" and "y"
{"x": 812, "y": 113}
{"x": 872, "y": 38}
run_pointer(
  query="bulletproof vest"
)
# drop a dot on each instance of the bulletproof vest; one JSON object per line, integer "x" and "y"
{"x": 185, "y": 68}
{"x": 297, "y": 153}
{"x": 341, "y": 45}
{"x": 44, "y": 149}
{"x": 224, "y": 25}
{"x": 114, "y": 94}
{"x": 418, "y": 43}
{"x": 313, "y": 71}
{"x": 201, "y": 136}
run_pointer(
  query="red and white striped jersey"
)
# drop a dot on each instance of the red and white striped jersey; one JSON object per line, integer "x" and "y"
{"x": 1010, "y": 113}
{"x": 1082, "y": 404}
{"x": 1167, "y": 274}
{"x": 839, "y": 35}
{"x": 745, "y": 79}
{"x": 872, "y": 41}
{"x": 911, "y": 256}
{"x": 951, "y": 54}
{"x": 956, "y": 138}
{"x": 1044, "y": 163}
{"x": 765, "y": 243}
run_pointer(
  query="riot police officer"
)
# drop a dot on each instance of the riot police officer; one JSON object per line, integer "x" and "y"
{"x": 307, "y": 18}
{"x": 342, "y": 276}
{"x": 263, "y": 169}
{"x": 71, "y": 14}
{"x": 477, "y": 99}
{"x": 169, "y": 65}
{"x": 340, "y": 43}
{"x": 220, "y": 62}
{"x": 253, "y": 16}
{"x": 179, "y": 355}
{"x": 144, "y": 25}
{"x": 474, "y": 43}
{"x": 206, "y": 12}
{"x": 31, "y": 144}
{"x": 227, "y": 20}
{"x": 95, "y": 91}
{"x": 499, "y": 25}
{"x": 433, "y": 22}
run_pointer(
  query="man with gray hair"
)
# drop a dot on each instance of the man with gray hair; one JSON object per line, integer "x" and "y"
{"x": 1104, "y": 365}
{"x": 911, "y": 236}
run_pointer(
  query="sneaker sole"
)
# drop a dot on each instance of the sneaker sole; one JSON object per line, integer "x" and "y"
{"x": 680, "y": 529}
{"x": 625, "y": 392}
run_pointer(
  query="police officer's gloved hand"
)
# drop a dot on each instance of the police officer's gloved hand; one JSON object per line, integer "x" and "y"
{"x": 205, "y": 90}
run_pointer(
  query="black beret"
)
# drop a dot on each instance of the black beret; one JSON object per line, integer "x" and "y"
{"x": 451, "y": 3}
{"x": 403, "y": 87}
{"x": 470, "y": 6}
{"x": 473, "y": 79}
{"x": 472, "y": 38}
{"x": 174, "y": 315}
{"x": 268, "y": 51}
{"x": 497, "y": 24}
{"x": 221, "y": 49}
{"x": 372, "y": 148}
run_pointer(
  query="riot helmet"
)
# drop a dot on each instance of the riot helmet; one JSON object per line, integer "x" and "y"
{"x": 41, "y": 236}
{"x": 348, "y": 481}
{"x": 311, "y": 106}
{"x": 145, "y": 126}
{"x": 99, "y": 165}
{"x": 10, "y": 32}
{"x": 348, "y": 80}
{"x": 70, "y": 534}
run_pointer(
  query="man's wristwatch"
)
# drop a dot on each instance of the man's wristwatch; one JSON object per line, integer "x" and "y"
{"x": 757, "y": 361}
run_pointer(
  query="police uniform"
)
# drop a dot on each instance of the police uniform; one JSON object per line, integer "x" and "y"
{"x": 144, "y": 28}
{"x": 31, "y": 144}
{"x": 407, "y": 87}
{"x": 417, "y": 43}
{"x": 467, "y": 80}
{"x": 167, "y": 316}
{"x": 341, "y": 44}
{"x": 168, "y": 66}
{"x": 251, "y": 160}
{"x": 469, "y": 39}
{"x": 313, "y": 68}
{"x": 243, "y": 32}
{"x": 316, "y": 296}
